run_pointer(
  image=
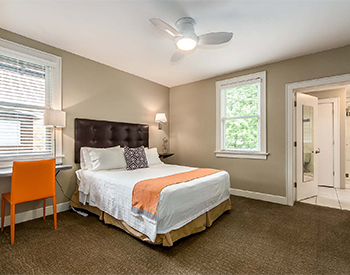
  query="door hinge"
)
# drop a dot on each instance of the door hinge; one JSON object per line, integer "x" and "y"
{"x": 295, "y": 184}
{"x": 333, "y": 173}
{"x": 295, "y": 103}
{"x": 295, "y": 144}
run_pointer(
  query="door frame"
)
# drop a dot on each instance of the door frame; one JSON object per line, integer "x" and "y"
{"x": 326, "y": 83}
{"x": 336, "y": 136}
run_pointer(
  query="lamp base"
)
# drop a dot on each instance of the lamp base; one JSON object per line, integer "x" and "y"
{"x": 54, "y": 144}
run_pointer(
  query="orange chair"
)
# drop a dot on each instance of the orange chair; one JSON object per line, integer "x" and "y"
{"x": 31, "y": 180}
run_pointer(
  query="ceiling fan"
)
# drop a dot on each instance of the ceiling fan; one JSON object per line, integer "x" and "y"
{"x": 186, "y": 39}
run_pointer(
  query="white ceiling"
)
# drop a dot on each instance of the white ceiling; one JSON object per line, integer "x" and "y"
{"x": 118, "y": 33}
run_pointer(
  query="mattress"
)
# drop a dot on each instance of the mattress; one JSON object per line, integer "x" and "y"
{"x": 111, "y": 192}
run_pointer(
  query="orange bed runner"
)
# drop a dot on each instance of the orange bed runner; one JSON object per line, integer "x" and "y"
{"x": 145, "y": 195}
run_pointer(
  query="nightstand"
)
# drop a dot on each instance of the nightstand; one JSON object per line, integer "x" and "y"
{"x": 165, "y": 155}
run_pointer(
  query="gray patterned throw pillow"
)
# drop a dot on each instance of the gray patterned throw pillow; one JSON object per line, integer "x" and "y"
{"x": 135, "y": 158}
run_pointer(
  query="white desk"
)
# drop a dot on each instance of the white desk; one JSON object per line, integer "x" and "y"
{"x": 7, "y": 172}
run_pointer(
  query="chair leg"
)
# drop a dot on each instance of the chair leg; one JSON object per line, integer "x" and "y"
{"x": 44, "y": 208}
{"x": 54, "y": 211}
{"x": 12, "y": 223}
{"x": 3, "y": 203}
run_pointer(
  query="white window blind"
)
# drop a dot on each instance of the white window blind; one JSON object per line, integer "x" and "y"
{"x": 25, "y": 91}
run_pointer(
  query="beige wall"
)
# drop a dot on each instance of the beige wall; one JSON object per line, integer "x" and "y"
{"x": 94, "y": 90}
{"x": 192, "y": 116}
{"x": 341, "y": 93}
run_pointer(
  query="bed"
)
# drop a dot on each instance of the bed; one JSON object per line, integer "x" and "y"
{"x": 183, "y": 209}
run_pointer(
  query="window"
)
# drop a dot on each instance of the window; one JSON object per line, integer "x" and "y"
{"x": 241, "y": 117}
{"x": 29, "y": 83}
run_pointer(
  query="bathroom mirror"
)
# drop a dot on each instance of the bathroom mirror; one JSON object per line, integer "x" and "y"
{"x": 308, "y": 143}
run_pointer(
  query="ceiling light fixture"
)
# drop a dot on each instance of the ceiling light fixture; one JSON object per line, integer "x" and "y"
{"x": 186, "y": 44}
{"x": 185, "y": 36}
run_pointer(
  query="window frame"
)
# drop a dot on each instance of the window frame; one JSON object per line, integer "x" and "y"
{"x": 32, "y": 55}
{"x": 239, "y": 153}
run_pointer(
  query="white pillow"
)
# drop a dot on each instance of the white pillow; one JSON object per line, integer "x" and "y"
{"x": 85, "y": 162}
{"x": 107, "y": 158}
{"x": 152, "y": 156}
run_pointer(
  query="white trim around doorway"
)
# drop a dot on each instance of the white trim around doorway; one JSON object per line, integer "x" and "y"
{"x": 290, "y": 90}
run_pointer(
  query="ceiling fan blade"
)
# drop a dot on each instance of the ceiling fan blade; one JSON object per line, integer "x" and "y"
{"x": 177, "y": 56}
{"x": 215, "y": 38}
{"x": 165, "y": 27}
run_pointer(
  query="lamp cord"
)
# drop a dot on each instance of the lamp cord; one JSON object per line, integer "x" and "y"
{"x": 65, "y": 194}
{"x": 76, "y": 211}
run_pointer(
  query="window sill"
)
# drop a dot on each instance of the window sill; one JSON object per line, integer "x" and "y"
{"x": 8, "y": 163}
{"x": 241, "y": 155}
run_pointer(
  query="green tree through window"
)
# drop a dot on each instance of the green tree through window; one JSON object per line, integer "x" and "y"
{"x": 241, "y": 117}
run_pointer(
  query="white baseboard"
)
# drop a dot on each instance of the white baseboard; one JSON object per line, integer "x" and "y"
{"x": 36, "y": 213}
{"x": 259, "y": 196}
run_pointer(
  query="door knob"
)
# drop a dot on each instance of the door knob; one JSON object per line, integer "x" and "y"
{"x": 317, "y": 151}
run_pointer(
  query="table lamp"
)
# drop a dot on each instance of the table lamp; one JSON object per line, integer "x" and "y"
{"x": 55, "y": 119}
{"x": 160, "y": 118}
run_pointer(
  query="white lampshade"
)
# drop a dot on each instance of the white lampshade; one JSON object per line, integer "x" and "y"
{"x": 160, "y": 117}
{"x": 54, "y": 118}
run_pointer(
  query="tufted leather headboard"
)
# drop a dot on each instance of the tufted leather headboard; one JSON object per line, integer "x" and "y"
{"x": 103, "y": 134}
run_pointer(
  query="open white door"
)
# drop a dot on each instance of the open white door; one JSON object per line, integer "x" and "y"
{"x": 306, "y": 162}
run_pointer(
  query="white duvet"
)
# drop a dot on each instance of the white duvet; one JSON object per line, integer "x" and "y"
{"x": 111, "y": 192}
